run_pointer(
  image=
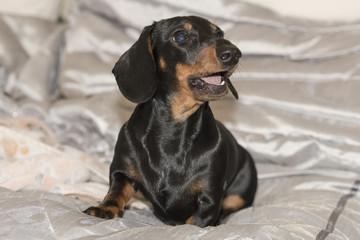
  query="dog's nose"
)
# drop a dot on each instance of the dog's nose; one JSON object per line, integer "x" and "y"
{"x": 228, "y": 54}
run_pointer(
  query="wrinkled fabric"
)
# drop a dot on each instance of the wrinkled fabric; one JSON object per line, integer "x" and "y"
{"x": 299, "y": 213}
{"x": 30, "y": 51}
{"x": 32, "y": 158}
{"x": 298, "y": 114}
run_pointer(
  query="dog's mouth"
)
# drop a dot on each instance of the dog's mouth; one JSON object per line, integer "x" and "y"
{"x": 217, "y": 79}
{"x": 212, "y": 80}
{"x": 215, "y": 82}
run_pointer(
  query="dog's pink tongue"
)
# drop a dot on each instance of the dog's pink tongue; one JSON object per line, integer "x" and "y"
{"x": 214, "y": 80}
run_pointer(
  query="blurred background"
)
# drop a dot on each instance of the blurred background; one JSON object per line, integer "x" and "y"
{"x": 333, "y": 10}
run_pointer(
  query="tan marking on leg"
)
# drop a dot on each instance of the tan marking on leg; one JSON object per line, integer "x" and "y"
{"x": 190, "y": 220}
{"x": 232, "y": 203}
{"x": 135, "y": 174}
{"x": 126, "y": 193}
{"x": 113, "y": 203}
{"x": 121, "y": 197}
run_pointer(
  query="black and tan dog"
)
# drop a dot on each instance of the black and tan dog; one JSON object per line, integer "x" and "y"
{"x": 172, "y": 149}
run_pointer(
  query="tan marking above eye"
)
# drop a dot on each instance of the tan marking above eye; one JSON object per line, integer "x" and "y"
{"x": 187, "y": 26}
{"x": 213, "y": 26}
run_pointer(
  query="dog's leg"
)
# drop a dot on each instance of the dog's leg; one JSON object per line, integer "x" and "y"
{"x": 120, "y": 192}
{"x": 208, "y": 211}
{"x": 231, "y": 204}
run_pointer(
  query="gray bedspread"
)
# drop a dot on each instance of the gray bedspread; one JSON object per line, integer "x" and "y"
{"x": 298, "y": 114}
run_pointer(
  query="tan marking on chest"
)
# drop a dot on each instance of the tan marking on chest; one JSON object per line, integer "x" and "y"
{"x": 197, "y": 186}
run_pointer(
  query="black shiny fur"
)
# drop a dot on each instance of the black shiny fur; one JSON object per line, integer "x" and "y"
{"x": 184, "y": 162}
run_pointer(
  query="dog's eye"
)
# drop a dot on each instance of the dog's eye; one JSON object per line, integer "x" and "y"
{"x": 219, "y": 33}
{"x": 180, "y": 37}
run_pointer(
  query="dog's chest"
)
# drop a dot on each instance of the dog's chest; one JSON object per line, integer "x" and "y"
{"x": 173, "y": 202}
{"x": 172, "y": 191}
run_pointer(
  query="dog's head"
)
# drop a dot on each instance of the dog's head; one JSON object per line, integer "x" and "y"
{"x": 181, "y": 58}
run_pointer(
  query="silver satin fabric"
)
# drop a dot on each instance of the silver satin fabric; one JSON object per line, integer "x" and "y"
{"x": 298, "y": 114}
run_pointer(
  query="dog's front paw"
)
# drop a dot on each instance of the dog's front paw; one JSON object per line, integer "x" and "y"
{"x": 107, "y": 212}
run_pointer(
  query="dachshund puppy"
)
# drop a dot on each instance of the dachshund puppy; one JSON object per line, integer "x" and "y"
{"x": 183, "y": 161}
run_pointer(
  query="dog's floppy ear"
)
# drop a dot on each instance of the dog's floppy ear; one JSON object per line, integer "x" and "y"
{"x": 135, "y": 71}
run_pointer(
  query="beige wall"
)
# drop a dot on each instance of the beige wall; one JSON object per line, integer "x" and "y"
{"x": 46, "y": 9}
{"x": 329, "y": 10}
